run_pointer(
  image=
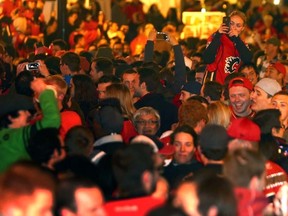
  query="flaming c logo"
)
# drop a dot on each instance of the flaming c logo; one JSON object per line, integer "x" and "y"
{"x": 231, "y": 64}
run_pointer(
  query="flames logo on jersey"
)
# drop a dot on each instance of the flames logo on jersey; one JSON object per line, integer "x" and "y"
{"x": 231, "y": 64}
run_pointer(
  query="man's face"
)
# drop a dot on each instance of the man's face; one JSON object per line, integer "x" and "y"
{"x": 21, "y": 120}
{"x": 55, "y": 49}
{"x": 270, "y": 48}
{"x": 64, "y": 68}
{"x": 199, "y": 77}
{"x": 89, "y": 202}
{"x": 240, "y": 100}
{"x": 147, "y": 124}
{"x": 281, "y": 102}
{"x": 272, "y": 73}
{"x": 260, "y": 100}
{"x": 94, "y": 73}
{"x": 184, "y": 148}
{"x": 131, "y": 81}
{"x": 117, "y": 49}
{"x": 41, "y": 203}
{"x": 250, "y": 74}
{"x": 102, "y": 89}
{"x": 184, "y": 95}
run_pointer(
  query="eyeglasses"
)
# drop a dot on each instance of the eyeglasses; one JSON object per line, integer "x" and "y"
{"x": 149, "y": 122}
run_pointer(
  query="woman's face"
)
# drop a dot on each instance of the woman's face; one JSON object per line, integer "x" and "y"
{"x": 237, "y": 24}
{"x": 184, "y": 147}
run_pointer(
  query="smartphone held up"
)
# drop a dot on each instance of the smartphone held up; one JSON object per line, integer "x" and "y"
{"x": 161, "y": 36}
{"x": 226, "y": 22}
{"x": 32, "y": 66}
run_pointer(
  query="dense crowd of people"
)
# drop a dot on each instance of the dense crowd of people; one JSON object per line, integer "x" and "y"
{"x": 126, "y": 117}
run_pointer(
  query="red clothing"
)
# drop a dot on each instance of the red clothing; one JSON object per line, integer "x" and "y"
{"x": 234, "y": 116}
{"x": 137, "y": 43}
{"x": 227, "y": 59}
{"x": 69, "y": 119}
{"x": 176, "y": 100}
{"x": 8, "y": 7}
{"x": 131, "y": 207}
{"x": 89, "y": 36}
{"x": 128, "y": 131}
{"x": 275, "y": 178}
{"x": 250, "y": 203}
{"x": 134, "y": 12}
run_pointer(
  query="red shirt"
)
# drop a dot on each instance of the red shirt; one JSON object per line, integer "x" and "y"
{"x": 131, "y": 207}
{"x": 128, "y": 131}
{"x": 234, "y": 116}
{"x": 250, "y": 202}
{"x": 227, "y": 60}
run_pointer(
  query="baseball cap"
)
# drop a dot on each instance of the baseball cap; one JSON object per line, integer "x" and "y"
{"x": 273, "y": 40}
{"x": 213, "y": 137}
{"x": 270, "y": 86}
{"x": 245, "y": 129}
{"x": 241, "y": 81}
{"x": 279, "y": 67}
{"x": 192, "y": 87}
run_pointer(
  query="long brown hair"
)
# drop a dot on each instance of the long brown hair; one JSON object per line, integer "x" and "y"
{"x": 121, "y": 92}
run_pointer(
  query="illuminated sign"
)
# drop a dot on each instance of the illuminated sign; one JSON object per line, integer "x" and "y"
{"x": 201, "y": 24}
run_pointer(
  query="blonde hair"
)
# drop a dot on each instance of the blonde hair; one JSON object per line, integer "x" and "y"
{"x": 58, "y": 82}
{"x": 240, "y": 14}
{"x": 219, "y": 113}
{"x": 122, "y": 93}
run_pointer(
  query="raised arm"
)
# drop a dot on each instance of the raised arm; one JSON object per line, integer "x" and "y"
{"x": 149, "y": 47}
{"x": 180, "y": 68}
{"x": 209, "y": 54}
{"x": 48, "y": 104}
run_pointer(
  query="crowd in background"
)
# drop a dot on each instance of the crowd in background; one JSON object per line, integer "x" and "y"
{"x": 128, "y": 117}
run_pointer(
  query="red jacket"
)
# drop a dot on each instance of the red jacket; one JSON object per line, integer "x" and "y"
{"x": 249, "y": 202}
{"x": 130, "y": 207}
{"x": 227, "y": 59}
